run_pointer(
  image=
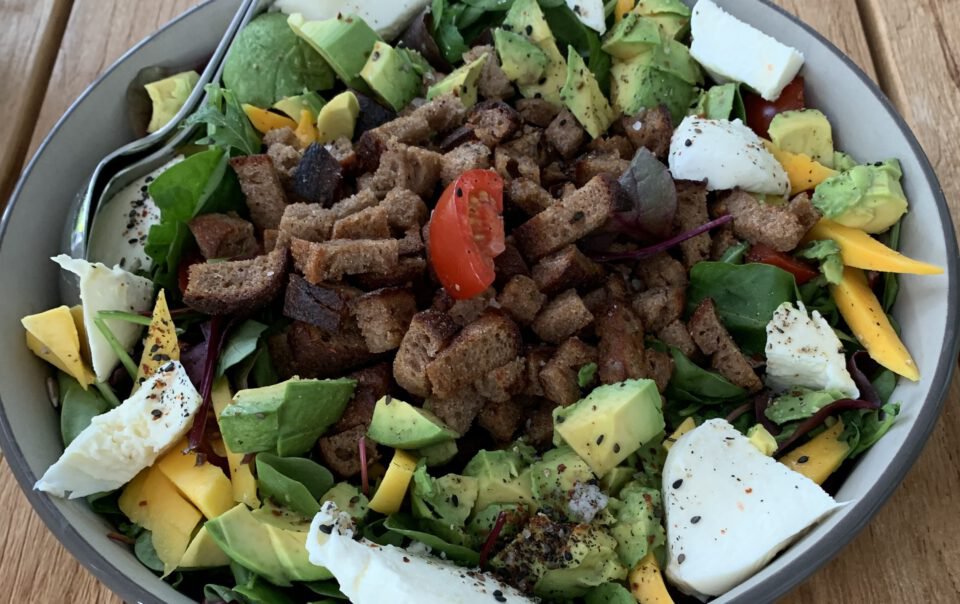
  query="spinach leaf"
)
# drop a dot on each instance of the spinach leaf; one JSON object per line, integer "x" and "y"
{"x": 891, "y": 282}
{"x": 258, "y": 591}
{"x": 77, "y": 407}
{"x": 586, "y": 375}
{"x": 609, "y": 593}
{"x": 816, "y": 297}
{"x": 405, "y": 525}
{"x": 377, "y": 532}
{"x": 218, "y": 594}
{"x": 871, "y": 425}
{"x": 293, "y": 482}
{"x": 263, "y": 372}
{"x": 445, "y": 30}
{"x": 227, "y": 125}
{"x": 489, "y": 5}
{"x": 884, "y": 384}
{"x": 329, "y": 589}
{"x": 746, "y": 296}
{"x": 569, "y": 30}
{"x": 242, "y": 343}
{"x": 692, "y": 383}
{"x": 146, "y": 553}
{"x": 735, "y": 253}
{"x": 827, "y": 251}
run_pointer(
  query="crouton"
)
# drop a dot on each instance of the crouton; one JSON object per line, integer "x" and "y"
{"x": 659, "y": 368}
{"x": 429, "y": 333}
{"x": 616, "y": 145}
{"x": 565, "y": 134}
{"x": 331, "y": 260}
{"x": 562, "y": 317}
{"x": 676, "y": 335}
{"x": 502, "y": 383}
{"x": 487, "y": 343}
{"x": 271, "y": 237}
{"x": 494, "y": 122}
{"x": 660, "y": 306}
{"x": 538, "y": 429}
{"x": 599, "y": 162}
{"x": 651, "y": 129}
{"x": 342, "y": 150}
{"x": 559, "y": 376}
{"x": 223, "y": 236}
{"x": 409, "y": 269}
{"x": 281, "y": 136}
{"x": 565, "y": 269}
{"x": 493, "y": 83}
{"x": 405, "y": 209}
{"x": 357, "y": 203}
{"x": 509, "y": 264}
{"x": 442, "y": 113}
{"x": 661, "y": 270}
{"x": 521, "y": 299}
{"x": 407, "y": 167}
{"x": 307, "y": 221}
{"x": 538, "y": 112}
{"x": 536, "y": 360}
{"x": 261, "y": 187}
{"x": 713, "y": 339}
{"x": 779, "y": 227}
{"x": 325, "y": 306}
{"x": 373, "y": 383}
{"x": 502, "y": 419}
{"x": 464, "y": 312}
{"x": 621, "y": 348}
{"x": 284, "y": 153}
{"x": 692, "y": 213}
{"x": 519, "y": 157}
{"x": 341, "y": 452}
{"x": 723, "y": 240}
{"x": 468, "y": 156}
{"x": 310, "y": 352}
{"x": 383, "y": 317}
{"x": 530, "y": 197}
{"x": 411, "y": 243}
{"x": 371, "y": 223}
{"x": 457, "y": 411}
{"x": 237, "y": 286}
{"x": 319, "y": 177}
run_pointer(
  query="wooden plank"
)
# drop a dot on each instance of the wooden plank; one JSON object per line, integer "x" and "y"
{"x": 837, "y": 21}
{"x": 31, "y": 36}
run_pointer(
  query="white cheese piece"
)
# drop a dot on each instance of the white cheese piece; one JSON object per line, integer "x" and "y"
{"x": 119, "y": 233}
{"x": 730, "y": 508}
{"x": 727, "y": 155}
{"x": 730, "y": 49}
{"x": 590, "y": 13}
{"x": 117, "y": 445}
{"x": 102, "y": 288}
{"x": 371, "y": 574}
{"x": 803, "y": 350}
{"x": 387, "y": 17}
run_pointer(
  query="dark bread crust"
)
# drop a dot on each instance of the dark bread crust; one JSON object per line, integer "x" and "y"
{"x": 238, "y": 286}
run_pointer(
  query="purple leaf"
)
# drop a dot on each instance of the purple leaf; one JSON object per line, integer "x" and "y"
{"x": 216, "y": 335}
{"x": 663, "y": 246}
{"x": 859, "y": 364}
{"x": 653, "y": 196}
{"x": 760, "y": 404}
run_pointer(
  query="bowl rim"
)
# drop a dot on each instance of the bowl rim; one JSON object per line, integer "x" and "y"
{"x": 771, "y": 588}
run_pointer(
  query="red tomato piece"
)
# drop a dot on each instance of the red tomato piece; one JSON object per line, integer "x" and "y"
{"x": 763, "y": 254}
{"x": 761, "y": 112}
{"x": 466, "y": 233}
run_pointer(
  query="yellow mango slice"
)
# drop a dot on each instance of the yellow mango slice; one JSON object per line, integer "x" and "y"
{"x": 204, "y": 552}
{"x": 684, "y": 427}
{"x": 623, "y": 9}
{"x": 804, "y": 172}
{"x": 53, "y": 336}
{"x": 161, "y": 345}
{"x": 646, "y": 582}
{"x": 860, "y": 250}
{"x": 264, "y": 121}
{"x": 77, "y": 313}
{"x": 393, "y": 488}
{"x": 306, "y": 130}
{"x": 862, "y": 311}
{"x": 206, "y": 486}
{"x": 154, "y": 503}
{"x": 821, "y": 456}
{"x": 244, "y": 485}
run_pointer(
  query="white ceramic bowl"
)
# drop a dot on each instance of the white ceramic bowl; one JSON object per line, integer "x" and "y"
{"x": 865, "y": 124}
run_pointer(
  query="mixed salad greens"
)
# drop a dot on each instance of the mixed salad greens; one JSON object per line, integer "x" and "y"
{"x": 482, "y": 300}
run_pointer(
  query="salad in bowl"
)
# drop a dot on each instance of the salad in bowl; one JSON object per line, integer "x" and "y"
{"x": 482, "y": 301}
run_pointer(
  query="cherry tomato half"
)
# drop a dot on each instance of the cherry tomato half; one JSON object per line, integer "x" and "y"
{"x": 760, "y": 112}
{"x": 763, "y": 254}
{"x": 466, "y": 233}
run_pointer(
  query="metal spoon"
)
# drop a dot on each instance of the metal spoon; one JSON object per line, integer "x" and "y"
{"x": 141, "y": 156}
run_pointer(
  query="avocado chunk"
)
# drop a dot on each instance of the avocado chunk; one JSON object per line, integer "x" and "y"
{"x": 672, "y": 16}
{"x": 449, "y": 499}
{"x": 526, "y": 18}
{"x": 609, "y": 593}
{"x": 721, "y": 102}
{"x": 438, "y": 454}
{"x": 636, "y": 85}
{"x": 521, "y": 60}
{"x": 277, "y": 554}
{"x": 632, "y": 36}
{"x": 581, "y": 94}
{"x": 503, "y": 477}
{"x": 843, "y": 161}
{"x": 462, "y": 83}
{"x": 293, "y": 106}
{"x": 402, "y": 426}
{"x": 338, "y": 118}
{"x": 391, "y": 75}
{"x": 345, "y": 43}
{"x": 349, "y": 499}
{"x": 806, "y": 131}
{"x": 868, "y": 197}
{"x": 590, "y": 560}
{"x": 638, "y": 528}
{"x": 554, "y": 479}
{"x": 612, "y": 422}
{"x": 761, "y": 438}
{"x": 674, "y": 58}
{"x": 203, "y": 552}
{"x": 168, "y": 96}
{"x": 267, "y": 62}
{"x": 287, "y": 418}
{"x": 483, "y": 521}
{"x": 615, "y": 479}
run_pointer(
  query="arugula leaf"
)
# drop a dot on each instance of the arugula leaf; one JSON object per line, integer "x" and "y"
{"x": 227, "y": 125}
{"x": 242, "y": 343}
{"x": 489, "y": 5}
{"x": 868, "y": 427}
{"x": 77, "y": 407}
{"x": 735, "y": 253}
{"x": 827, "y": 251}
{"x": 692, "y": 383}
{"x": 816, "y": 297}
{"x": 445, "y": 31}
{"x": 405, "y": 525}
{"x": 746, "y": 296}
{"x": 293, "y": 482}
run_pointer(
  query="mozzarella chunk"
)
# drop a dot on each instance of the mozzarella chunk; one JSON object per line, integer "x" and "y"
{"x": 590, "y": 13}
{"x": 102, "y": 288}
{"x": 117, "y": 445}
{"x": 370, "y": 574}
{"x": 729, "y": 49}
{"x": 803, "y": 350}
{"x": 727, "y": 155}
{"x": 388, "y": 17}
{"x": 730, "y": 508}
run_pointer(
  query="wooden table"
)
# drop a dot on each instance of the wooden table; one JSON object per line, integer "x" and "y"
{"x": 52, "y": 49}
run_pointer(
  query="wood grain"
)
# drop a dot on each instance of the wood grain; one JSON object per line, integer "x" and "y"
{"x": 31, "y": 37}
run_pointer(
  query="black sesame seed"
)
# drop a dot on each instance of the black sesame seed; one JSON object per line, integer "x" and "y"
{"x": 677, "y": 483}
{"x": 326, "y": 529}
{"x": 455, "y": 501}
{"x": 695, "y": 519}
{"x": 803, "y": 459}
{"x": 688, "y": 143}
{"x": 529, "y": 30}
{"x": 156, "y": 413}
{"x": 616, "y": 447}
{"x": 681, "y": 558}
{"x": 600, "y": 439}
